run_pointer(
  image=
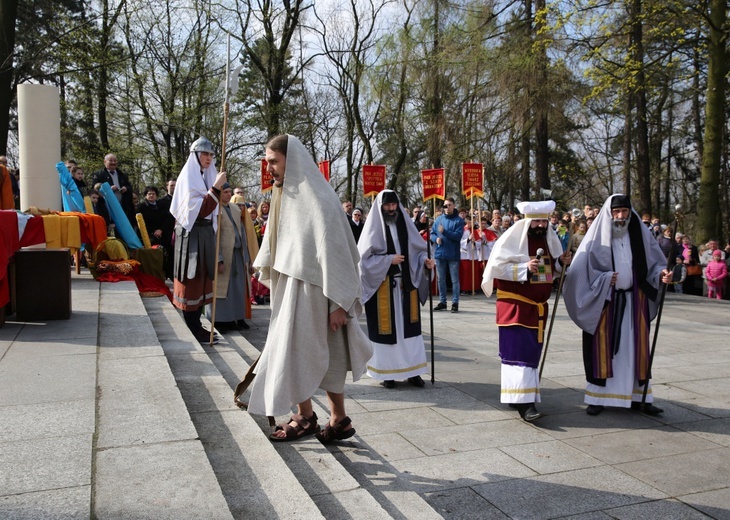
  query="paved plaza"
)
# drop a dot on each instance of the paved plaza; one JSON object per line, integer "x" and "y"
{"x": 120, "y": 413}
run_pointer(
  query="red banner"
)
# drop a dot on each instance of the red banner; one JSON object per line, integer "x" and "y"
{"x": 324, "y": 167}
{"x": 266, "y": 178}
{"x": 471, "y": 179}
{"x": 434, "y": 185}
{"x": 373, "y": 179}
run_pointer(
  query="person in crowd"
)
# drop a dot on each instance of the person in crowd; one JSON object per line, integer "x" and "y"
{"x": 356, "y": 224}
{"x": 693, "y": 282}
{"x": 154, "y": 216}
{"x": 165, "y": 201}
{"x": 715, "y": 274}
{"x": 611, "y": 293}
{"x": 589, "y": 222}
{"x": 470, "y": 262}
{"x": 168, "y": 226}
{"x": 311, "y": 266}
{"x": 263, "y": 214}
{"x": 119, "y": 183}
{"x": 195, "y": 208}
{"x": 422, "y": 222}
{"x": 506, "y": 223}
{"x": 578, "y": 236}
{"x": 587, "y": 211}
{"x": 393, "y": 263}
{"x": 490, "y": 237}
{"x": 99, "y": 206}
{"x": 679, "y": 273}
{"x": 496, "y": 226}
{"x": 238, "y": 190}
{"x": 254, "y": 214}
{"x": 77, "y": 173}
{"x": 666, "y": 243}
{"x": 446, "y": 234}
{"x": 522, "y": 266}
{"x": 646, "y": 220}
{"x": 237, "y": 249}
{"x": 7, "y": 197}
{"x": 347, "y": 208}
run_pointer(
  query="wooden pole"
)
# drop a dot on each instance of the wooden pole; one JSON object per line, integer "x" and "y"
{"x": 226, "y": 108}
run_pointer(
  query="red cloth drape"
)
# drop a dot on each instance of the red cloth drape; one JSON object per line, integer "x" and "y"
{"x": 9, "y": 244}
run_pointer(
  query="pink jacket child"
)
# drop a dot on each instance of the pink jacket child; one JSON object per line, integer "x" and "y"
{"x": 715, "y": 274}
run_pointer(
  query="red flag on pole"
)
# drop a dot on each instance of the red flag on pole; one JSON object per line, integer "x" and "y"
{"x": 472, "y": 175}
{"x": 324, "y": 167}
{"x": 434, "y": 185}
{"x": 266, "y": 178}
{"x": 373, "y": 179}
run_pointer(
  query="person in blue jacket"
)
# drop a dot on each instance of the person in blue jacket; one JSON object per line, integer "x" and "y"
{"x": 446, "y": 234}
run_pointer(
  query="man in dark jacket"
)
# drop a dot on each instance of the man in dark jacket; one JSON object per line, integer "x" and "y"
{"x": 446, "y": 234}
{"x": 119, "y": 183}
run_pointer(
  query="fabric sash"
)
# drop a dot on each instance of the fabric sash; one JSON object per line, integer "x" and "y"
{"x": 608, "y": 335}
{"x": 541, "y": 310}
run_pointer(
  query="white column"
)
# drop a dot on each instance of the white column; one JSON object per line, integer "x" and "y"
{"x": 39, "y": 134}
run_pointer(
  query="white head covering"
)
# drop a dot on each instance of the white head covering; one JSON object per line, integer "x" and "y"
{"x": 588, "y": 281}
{"x": 512, "y": 246}
{"x": 314, "y": 242}
{"x": 373, "y": 242}
{"x": 190, "y": 191}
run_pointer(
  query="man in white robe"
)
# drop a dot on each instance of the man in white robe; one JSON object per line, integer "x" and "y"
{"x": 611, "y": 293}
{"x": 392, "y": 260}
{"x": 309, "y": 259}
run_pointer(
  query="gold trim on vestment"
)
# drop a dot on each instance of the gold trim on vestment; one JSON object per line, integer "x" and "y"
{"x": 414, "y": 306}
{"x": 515, "y": 273}
{"x": 544, "y": 216}
{"x": 533, "y": 390}
{"x": 383, "y": 304}
{"x": 617, "y": 396}
{"x": 396, "y": 371}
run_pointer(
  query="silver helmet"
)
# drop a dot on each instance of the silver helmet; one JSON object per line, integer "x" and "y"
{"x": 202, "y": 145}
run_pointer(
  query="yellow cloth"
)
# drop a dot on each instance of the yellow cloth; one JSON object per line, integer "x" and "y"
{"x": 62, "y": 232}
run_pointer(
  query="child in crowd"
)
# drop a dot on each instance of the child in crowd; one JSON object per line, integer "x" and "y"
{"x": 679, "y": 273}
{"x": 715, "y": 274}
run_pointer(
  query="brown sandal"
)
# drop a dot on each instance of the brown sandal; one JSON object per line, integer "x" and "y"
{"x": 303, "y": 428}
{"x": 337, "y": 432}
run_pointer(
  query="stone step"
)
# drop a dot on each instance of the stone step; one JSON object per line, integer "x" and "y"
{"x": 148, "y": 459}
{"x": 254, "y": 480}
{"x": 332, "y": 476}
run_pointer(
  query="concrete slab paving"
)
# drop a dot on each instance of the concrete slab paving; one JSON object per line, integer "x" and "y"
{"x": 38, "y": 421}
{"x": 715, "y": 504}
{"x": 43, "y": 464}
{"x": 71, "y": 503}
{"x": 685, "y": 473}
{"x": 169, "y": 480}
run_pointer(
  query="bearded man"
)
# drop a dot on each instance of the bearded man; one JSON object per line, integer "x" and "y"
{"x": 311, "y": 266}
{"x": 611, "y": 293}
{"x": 522, "y": 266}
{"x": 394, "y": 284}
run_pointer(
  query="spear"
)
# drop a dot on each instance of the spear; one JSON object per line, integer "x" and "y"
{"x": 226, "y": 107}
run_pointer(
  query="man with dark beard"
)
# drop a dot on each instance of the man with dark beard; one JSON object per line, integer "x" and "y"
{"x": 522, "y": 266}
{"x": 611, "y": 293}
{"x": 394, "y": 284}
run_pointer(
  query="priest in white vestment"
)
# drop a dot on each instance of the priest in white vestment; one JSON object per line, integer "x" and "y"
{"x": 611, "y": 292}
{"x": 309, "y": 260}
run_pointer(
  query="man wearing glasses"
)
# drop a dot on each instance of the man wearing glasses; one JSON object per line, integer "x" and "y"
{"x": 446, "y": 234}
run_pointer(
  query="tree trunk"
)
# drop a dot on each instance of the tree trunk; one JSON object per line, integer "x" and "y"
{"x": 643, "y": 170}
{"x": 541, "y": 102}
{"x": 8, "y": 15}
{"x": 627, "y": 144}
{"x": 708, "y": 204}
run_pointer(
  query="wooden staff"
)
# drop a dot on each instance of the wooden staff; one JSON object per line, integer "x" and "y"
{"x": 552, "y": 317}
{"x": 678, "y": 208}
{"x": 430, "y": 299}
{"x": 226, "y": 108}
